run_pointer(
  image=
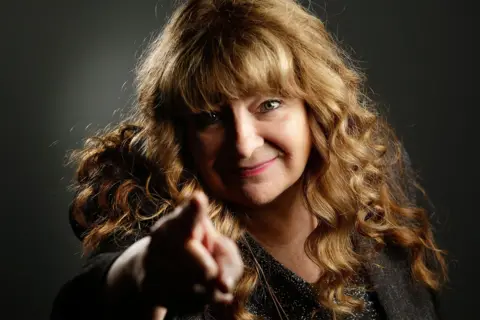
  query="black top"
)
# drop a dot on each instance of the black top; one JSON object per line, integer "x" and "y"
{"x": 296, "y": 297}
{"x": 398, "y": 297}
{"x": 395, "y": 295}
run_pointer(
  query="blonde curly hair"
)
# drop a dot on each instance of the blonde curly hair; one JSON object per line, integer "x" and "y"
{"x": 211, "y": 51}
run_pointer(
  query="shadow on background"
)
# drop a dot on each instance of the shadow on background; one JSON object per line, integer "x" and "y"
{"x": 67, "y": 71}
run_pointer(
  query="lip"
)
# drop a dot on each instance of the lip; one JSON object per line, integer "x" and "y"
{"x": 256, "y": 169}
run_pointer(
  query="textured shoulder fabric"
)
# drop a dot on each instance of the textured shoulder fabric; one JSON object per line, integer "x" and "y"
{"x": 402, "y": 298}
{"x": 401, "y": 179}
{"x": 393, "y": 279}
{"x": 83, "y": 296}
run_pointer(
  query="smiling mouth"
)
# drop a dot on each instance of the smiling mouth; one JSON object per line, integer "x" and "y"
{"x": 256, "y": 169}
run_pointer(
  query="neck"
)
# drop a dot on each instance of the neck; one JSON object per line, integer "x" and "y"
{"x": 284, "y": 224}
{"x": 282, "y": 229}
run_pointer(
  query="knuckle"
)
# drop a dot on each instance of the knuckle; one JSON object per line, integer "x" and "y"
{"x": 210, "y": 272}
{"x": 230, "y": 244}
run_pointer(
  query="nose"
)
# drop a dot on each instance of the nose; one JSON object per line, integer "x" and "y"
{"x": 247, "y": 137}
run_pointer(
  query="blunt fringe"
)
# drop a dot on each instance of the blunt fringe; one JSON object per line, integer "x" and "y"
{"x": 356, "y": 182}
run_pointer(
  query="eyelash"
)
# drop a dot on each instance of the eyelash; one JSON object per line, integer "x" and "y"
{"x": 272, "y": 100}
{"x": 207, "y": 119}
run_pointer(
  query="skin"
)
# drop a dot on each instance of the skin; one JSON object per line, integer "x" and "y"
{"x": 183, "y": 259}
{"x": 248, "y": 132}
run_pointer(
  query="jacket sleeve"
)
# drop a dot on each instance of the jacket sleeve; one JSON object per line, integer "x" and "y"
{"x": 83, "y": 296}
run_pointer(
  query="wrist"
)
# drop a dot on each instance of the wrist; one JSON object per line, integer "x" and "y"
{"x": 126, "y": 274}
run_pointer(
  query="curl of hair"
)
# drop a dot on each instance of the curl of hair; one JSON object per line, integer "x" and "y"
{"x": 356, "y": 182}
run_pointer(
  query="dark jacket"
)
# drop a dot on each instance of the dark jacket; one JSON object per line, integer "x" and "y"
{"x": 396, "y": 295}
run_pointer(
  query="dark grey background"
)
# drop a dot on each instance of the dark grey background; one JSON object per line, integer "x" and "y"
{"x": 66, "y": 69}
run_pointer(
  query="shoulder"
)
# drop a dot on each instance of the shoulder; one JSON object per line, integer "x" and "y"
{"x": 400, "y": 295}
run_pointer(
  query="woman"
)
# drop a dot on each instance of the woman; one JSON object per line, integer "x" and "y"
{"x": 254, "y": 179}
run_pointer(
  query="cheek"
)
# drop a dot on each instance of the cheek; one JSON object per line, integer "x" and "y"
{"x": 205, "y": 149}
{"x": 206, "y": 154}
{"x": 292, "y": 136}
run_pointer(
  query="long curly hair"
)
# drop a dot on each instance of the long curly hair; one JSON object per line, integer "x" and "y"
{"x": 211, "y": 51}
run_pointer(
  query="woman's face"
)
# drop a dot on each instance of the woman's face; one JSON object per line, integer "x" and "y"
{"x": 252, "y": 150}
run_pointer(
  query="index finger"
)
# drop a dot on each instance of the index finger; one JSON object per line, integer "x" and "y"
{"x": 185, "y": 218}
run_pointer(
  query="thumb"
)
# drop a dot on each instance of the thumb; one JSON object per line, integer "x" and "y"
{"x": 229, "y": 260}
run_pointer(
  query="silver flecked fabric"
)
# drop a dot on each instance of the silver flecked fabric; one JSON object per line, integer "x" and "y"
{"x": 288, "y": 296}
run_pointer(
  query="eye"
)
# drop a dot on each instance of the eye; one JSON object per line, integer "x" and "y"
{"x": 206, "y": 119}
{"x": 270, "y": 105}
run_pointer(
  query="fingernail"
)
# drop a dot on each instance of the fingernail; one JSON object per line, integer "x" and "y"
{"x": 223, "y": 297}
{"x": 229, "y": 282}
{"x": 228, "y": 298}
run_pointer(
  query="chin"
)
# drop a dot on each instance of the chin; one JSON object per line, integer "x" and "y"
{"x": 257, "y": 200}
{"x": 258, "y": 196}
